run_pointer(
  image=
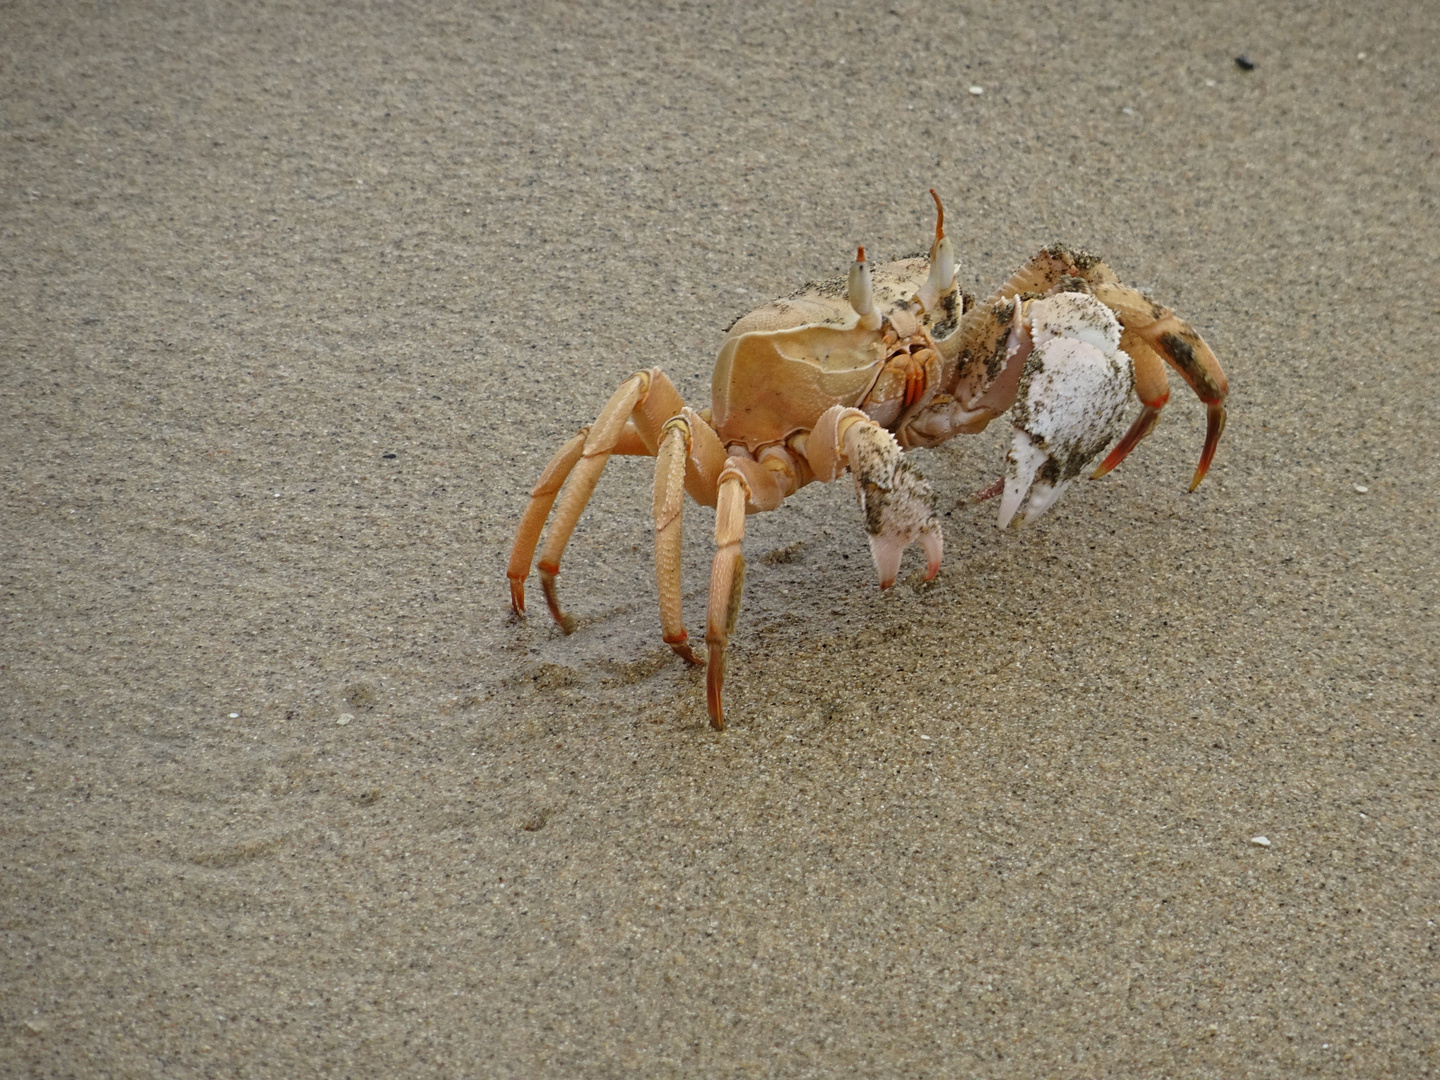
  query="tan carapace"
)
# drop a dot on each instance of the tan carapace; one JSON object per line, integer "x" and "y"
{"x": 846, "y": 376}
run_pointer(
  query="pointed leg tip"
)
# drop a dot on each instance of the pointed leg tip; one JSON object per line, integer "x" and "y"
{"x": 1214, "y": 427}
{"x": 714, "y": 680}
{"x": 1142, "y": 426}
{"x": 716, "y": 709}
{"x": 563, "y": 619}
{"x": 1009, "y": 508}
{"x": 517, "y": 598}
{"x": 682, "y": 649}
{"x": 887, "y": 550}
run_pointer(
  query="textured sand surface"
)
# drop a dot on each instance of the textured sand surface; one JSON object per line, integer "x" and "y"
{"x": 299, "y": 299}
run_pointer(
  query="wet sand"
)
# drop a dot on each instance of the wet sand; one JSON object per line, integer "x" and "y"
{"x": 298, "y": 304}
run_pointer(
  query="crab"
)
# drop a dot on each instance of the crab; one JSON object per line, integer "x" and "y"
{"x": 847, "y": 375}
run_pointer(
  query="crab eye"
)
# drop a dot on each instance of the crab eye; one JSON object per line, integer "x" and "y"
{"x": 942, "y": 274}
{"x": 942, "y": 262}
{"x": 862, "y": 292}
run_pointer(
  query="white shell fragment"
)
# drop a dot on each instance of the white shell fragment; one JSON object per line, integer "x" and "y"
{"x": 345, "y": 718}
{"x": 1260, "y": 841}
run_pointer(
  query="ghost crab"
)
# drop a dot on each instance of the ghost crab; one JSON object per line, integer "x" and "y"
{"x": 847, "y": 375}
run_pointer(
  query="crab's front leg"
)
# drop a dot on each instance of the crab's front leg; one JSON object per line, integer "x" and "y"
{"x": 1070, "y": 404}
{"x": 727, "y": 582}
{"x": 746, "y": 485}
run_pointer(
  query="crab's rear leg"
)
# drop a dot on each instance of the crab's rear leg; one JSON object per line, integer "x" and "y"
{"x": 1154, "y": 335}
{"x": 542, "y": 498}
{"x": 629, "y": 423}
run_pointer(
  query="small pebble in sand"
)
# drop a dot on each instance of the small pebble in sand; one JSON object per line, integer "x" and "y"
{"x": 345, "y": 718}
{"x": 234, "y": 716}
{"x": 1361, "y": 488}
{"x": 1260, "y": 841}
{"x": 977, "y": 90}
{"x": 1244, "y": 63}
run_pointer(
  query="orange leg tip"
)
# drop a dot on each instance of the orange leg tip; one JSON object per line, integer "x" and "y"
{"x": 997, "y": 488}
{"x": 681, "y": 647}
{"x": 1138, "y": 430}
{"x": 714, "y": 679}
{"x": 565, "y": 621}
{"x": 1214, "y": 426}
{"x": 517, "y": 596}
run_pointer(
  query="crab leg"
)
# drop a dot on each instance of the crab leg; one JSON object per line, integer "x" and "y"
{"x": 629, "y": 423}
{"x": 542, "y": 498}
{"x": 669, "y": 509}
{"x": 1152, "y": 333}
{"x": 746, "y": 485}
{"x": 727, "y": 581}
{"x": 690, "y": 456}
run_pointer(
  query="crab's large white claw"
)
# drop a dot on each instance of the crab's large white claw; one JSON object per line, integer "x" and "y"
{"x": 1070, "y": 403}
{"x": 898, "y": 504}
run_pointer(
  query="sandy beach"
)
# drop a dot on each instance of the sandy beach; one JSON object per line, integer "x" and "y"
{"x": 300, "y": 299}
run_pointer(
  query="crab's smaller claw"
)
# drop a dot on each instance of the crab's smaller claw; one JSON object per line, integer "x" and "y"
{"x": 1070, "y": 402}
{"x": 898, "y": 504}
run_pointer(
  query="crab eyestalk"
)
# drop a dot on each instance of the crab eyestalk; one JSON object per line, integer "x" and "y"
{"x": 942, "y": 262}
{"x": 862, "y": 292}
